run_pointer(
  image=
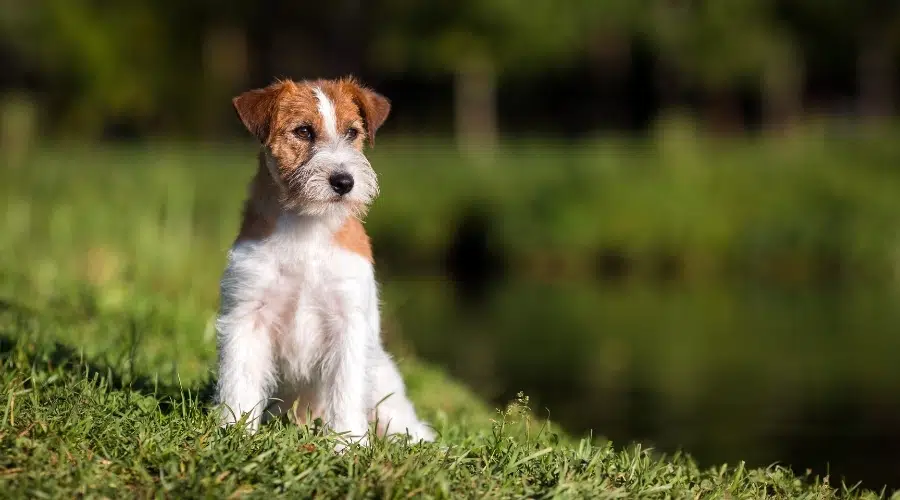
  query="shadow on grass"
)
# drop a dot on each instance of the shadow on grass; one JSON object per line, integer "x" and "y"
{"x": 118, "y": 374}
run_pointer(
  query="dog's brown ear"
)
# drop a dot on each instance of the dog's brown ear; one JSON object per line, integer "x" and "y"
{"x": 373, "y": 107}
{"x": 255, "y": 109}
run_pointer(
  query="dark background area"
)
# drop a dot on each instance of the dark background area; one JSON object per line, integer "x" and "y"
{"x": 570, "y": 69}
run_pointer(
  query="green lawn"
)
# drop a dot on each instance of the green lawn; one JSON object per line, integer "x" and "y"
{"x": 107, "y": 291}
{"x": 113, "y": 425}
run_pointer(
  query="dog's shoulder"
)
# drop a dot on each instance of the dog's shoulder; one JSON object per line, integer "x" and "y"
{"x": 351, "y": 236}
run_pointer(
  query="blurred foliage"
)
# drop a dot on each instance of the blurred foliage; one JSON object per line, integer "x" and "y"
{"x": 718, "y": 44}
{"x": 788, "y": 211}
{"x": 115, "y": 56}
{"x": 160, "y": 62}
{"x": 510, "y": 35}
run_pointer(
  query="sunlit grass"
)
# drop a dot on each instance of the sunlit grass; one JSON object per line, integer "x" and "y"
{"x": 71, "y": 426}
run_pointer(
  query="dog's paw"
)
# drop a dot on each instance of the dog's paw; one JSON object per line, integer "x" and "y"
{"x": 422, "y": 433}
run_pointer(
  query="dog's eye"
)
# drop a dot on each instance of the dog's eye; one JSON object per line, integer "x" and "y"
{"x": 304, "y": 132}
{"x": 352, "y": 134}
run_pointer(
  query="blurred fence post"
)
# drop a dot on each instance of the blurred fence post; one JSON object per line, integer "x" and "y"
{"x": 782, "y": 84}
{"x": 876, "y": 76}
{"x": 225, "y": 66}
{"x": 18, "y": 128}
{"x": 475, "y": 107}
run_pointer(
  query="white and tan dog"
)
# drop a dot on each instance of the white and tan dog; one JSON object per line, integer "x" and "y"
{"x": 299, "y": 316}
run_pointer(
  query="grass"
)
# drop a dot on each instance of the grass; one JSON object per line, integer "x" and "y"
{"x": 107, "y": 291}
{"x": 812, "y": 207}
{"x": 75, "y": 428}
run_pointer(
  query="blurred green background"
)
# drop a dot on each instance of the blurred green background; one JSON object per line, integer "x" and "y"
{"x": 674, "y": 222}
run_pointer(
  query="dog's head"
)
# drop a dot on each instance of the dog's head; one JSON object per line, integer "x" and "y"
{"x": 313, "y": 134}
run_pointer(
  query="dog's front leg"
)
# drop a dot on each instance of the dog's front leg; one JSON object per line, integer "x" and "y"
{"x": 391, "y": 408}
{"x": 344, "y": 379}
{"x": 246, "y": 369}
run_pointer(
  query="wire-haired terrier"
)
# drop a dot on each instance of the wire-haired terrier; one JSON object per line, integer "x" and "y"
{"x": 299, "y": 321}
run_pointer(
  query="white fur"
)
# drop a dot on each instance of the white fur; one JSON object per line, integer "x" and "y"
{"x": 299, "y": 321}
{"x": 316, "y": 196}
{"x": 329, "y": 116}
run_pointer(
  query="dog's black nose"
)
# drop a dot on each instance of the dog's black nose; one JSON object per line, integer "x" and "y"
{"x": 341, "y": 182}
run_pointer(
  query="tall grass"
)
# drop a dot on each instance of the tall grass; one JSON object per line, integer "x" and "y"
{"x": 800, "y": 209}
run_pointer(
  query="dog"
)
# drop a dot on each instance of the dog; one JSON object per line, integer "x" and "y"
{"x": 298, "y": 328}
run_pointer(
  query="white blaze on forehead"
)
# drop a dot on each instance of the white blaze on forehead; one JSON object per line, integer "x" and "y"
{"x": 326, "y": 109}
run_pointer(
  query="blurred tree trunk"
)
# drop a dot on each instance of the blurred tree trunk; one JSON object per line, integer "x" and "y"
{"x": 782, "y": 92}
{"x": 18, "y": 127}
{"x": 668, "y": 86}
{"x": 225, "y": 67}
{"x": 475, "y": 106}
{"x": 722, "y": 112}
{"x": 875, "y": 70}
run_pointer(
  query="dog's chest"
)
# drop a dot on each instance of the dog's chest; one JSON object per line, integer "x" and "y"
{"x": 312, "y": 259}
{"x": 299, "y": 281}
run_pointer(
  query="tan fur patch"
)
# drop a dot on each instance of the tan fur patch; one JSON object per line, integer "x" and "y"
{"x": 296, "y": 106}
{"x": 261, "y": 208}
{"x": 352, "y": 237}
